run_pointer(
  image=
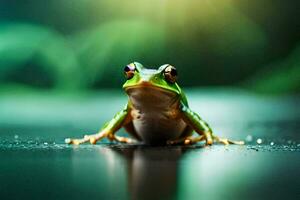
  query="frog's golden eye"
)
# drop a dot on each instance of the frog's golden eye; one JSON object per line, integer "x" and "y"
{"x": 129, "y": 71}
{"x": 170, "y": 74}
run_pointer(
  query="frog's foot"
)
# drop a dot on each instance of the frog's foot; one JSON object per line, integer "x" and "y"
{"x": 194, "y": 140}
{"x": 96, "y": 137}
{"x": 186, "y": 140}
{"x": 123, "y": 139}
{"x": 87, "y": 138}
{"x": 226, "y": 141}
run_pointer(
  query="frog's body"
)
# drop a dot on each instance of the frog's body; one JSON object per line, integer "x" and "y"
{"x": 155, "y": 114}
{"x": 157, "y": 111}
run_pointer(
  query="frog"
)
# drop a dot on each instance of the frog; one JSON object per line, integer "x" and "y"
{"x": 157, "y": 112}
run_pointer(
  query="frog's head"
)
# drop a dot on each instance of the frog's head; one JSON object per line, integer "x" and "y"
{"x": 164, "y": 78}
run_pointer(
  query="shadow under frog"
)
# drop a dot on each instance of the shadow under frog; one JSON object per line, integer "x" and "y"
{"x": 152, "y": 171}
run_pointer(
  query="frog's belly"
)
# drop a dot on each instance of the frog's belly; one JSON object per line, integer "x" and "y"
{"x": 155, "y": 113}
{"x": 155, "y": 128}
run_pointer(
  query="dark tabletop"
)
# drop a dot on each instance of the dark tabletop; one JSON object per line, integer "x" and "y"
{"x": 36, "y": 164}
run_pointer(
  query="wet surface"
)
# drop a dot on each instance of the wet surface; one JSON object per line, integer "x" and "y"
{"x": 35, "y": 164}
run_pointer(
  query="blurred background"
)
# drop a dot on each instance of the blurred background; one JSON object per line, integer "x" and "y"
{"x": 84, "y": 44}
{"x": 61, "y": 75}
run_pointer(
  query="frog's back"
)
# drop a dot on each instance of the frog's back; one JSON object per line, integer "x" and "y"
{"x": 156, "y": 115}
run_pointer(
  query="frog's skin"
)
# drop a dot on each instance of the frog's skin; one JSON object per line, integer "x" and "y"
{"x": 157, "y": 112}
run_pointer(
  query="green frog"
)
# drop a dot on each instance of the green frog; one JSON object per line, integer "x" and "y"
{"x": 157, "y": 112}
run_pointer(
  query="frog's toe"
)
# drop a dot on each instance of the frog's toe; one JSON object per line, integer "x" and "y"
{"x": 194, "y": 140}
{"x": 75, "y": 141}
{"x": 208, "y": 138}
{"x": 209, "y": 141}
{"x": 226, "y": 141}
{"x": 236, "y": 142}
{"x": 187, "y": 141}
{"x": 93, "y": 140}
{"x": 68, "y": 141}
{"x": 124, "y": 139}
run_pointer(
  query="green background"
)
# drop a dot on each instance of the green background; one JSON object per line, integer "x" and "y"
{"x": 84, "y": 44}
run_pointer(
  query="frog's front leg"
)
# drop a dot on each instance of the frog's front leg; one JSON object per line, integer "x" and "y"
{"x": 108, "y": 130}
{"x": 202, "y": 128}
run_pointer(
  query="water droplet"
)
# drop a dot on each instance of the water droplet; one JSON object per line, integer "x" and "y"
{"x": 259, "y": 141}
{"x": 16, "y": 137}
{"x": 45, "y": 143}
{"x": 289, "y": 141}
{"x": 249, "y": 138}
{"x": 272, "y": 143}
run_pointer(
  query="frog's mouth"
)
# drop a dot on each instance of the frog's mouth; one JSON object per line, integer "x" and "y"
{"x": 145, "y": 90}
{"x": 147, "y": 86}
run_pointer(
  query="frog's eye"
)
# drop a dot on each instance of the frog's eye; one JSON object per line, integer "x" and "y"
{"x": 129, "y": 71}
{"x": 170, "y": 74}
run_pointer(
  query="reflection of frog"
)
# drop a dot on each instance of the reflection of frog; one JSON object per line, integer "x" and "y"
{"x": 150, "y": 169}
{"x": 157, "y": 112}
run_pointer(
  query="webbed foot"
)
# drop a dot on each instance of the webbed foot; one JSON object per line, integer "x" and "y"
{"x": 209, "y": 140}
{"x": 93, "y": 139}
{"x": 87, "y": 138}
